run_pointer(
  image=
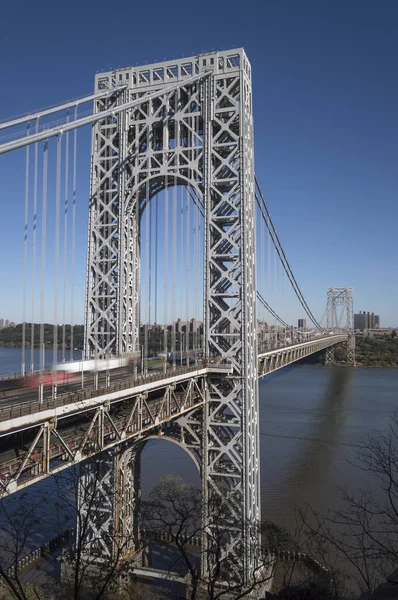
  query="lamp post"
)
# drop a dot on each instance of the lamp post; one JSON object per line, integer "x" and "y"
{"x": 82, "y": 370}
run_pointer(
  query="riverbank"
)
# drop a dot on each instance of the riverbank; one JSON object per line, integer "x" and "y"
{"x": 11, "y": 337}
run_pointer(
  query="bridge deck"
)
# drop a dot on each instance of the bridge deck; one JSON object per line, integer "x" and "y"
{"x": 64, "y": 430}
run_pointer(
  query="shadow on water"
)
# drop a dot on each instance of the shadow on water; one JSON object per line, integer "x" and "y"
{"x": 311, "y": 464}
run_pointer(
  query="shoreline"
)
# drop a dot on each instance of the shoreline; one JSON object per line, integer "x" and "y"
{"x": 357, "y": 366}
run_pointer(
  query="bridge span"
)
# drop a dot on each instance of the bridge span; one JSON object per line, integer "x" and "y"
{"x": 65, "y": 430}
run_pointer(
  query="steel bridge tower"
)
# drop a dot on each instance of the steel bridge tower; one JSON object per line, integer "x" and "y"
{"x": 341, "y": 297}
{"x": 199, "y": 135}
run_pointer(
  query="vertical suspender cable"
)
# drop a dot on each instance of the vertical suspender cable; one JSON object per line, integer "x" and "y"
{"x": 181, "y": 261}
{"x": 201, "y": 269}
{"x": 187, "y": 261}
{"x": 197, "y": 302}
{"x": 195, "y": 290}
{"x": 269, "y": 284}
{"x": 166, "y": 267}
{"x": 56, "y": 248}
{"x": 199, "y": 277}
{"x": 43, "y": 264}
{"x": 34, "y": 239}
{"x": 147, "y": 275}
{"x": 174, "y": 242}
{"x": 180, "y": 278}
{"x": 284, "y": 303}
{"x": 275, "y": 294}
{"x": 264, "y": 275}
{"x": 25, "y": 255}
{"x": 275, "y": 301}
{"x": 72, "y": 317}
{"x": 156, "y": 258}
{"x": 260, "y": 268}
{"x": 65, "y": 240}
{"x": 151, "y": 221}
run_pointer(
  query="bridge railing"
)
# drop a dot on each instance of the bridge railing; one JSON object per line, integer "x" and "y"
{"x": 30, "y": 407}
{"x": 276, "y": 554}
{"x": 262, "y": 348}
{"x": 19, "y": 408}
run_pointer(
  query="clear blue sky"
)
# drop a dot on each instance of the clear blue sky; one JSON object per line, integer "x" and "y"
{"x": 325, "y": 95}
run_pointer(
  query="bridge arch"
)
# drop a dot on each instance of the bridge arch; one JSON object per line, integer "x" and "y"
{"x": 135, "y": 267}
{"x": 128, "y": 460}
{"x": 157, "y": 184}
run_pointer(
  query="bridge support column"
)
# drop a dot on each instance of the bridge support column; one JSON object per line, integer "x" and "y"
{"x": 329, "y": 357}
{"x": 109, "y": 490}
{"x": 231, "y": 454}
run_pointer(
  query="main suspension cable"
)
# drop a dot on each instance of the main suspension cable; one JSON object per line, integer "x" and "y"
{"x": 271, "y": 310}
{"x": 281, "y": 253}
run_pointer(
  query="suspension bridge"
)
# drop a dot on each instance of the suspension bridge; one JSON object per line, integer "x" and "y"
{"x": 178, "y": 230}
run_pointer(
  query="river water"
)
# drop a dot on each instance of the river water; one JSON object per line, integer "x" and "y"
{"x": 311, "y": 419}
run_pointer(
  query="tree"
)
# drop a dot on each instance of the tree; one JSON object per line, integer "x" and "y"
{"x": 362, "y": 535}
{"x": 21, "y": 523}
{"x": 75, "y": 502}
{"x": 95, "y": 562}
{"x": 173, "y": 511}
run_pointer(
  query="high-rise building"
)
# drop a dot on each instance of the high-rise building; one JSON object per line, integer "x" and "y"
{"x": 1, "y": 323}
{"x": 366, "y": 320}
{"x": 302, "y": 324}
{"x": 6, "y": 323}
{"x": 194, "y": 325}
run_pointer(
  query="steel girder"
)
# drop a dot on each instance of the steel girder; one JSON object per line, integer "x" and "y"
{"x": 341, "y": 297}
{"x": 200, "y": 136}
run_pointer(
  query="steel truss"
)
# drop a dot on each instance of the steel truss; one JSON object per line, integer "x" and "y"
{"x": 57, "y": 445}
{"x": 201, "y": 136}
{"x": 278, "y": 358}
{"x": 341, "y": 297}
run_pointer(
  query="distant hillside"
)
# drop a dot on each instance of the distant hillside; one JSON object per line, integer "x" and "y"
{"x": 376, "y": 352}
{"x": 11, "y": 337}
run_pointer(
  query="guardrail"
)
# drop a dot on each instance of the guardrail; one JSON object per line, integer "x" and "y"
{"x": 285, "y": 555}
{"x": 26, "y": 408}
{"x": 49, "y": 546}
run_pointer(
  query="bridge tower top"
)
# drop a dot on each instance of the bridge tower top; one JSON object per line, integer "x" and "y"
{"x": 177, "y": 70}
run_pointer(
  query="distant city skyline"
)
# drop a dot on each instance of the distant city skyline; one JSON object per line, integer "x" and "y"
{"x": 6, "y": 323}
